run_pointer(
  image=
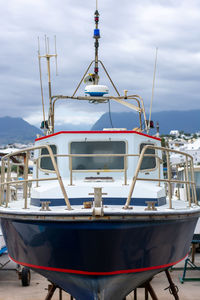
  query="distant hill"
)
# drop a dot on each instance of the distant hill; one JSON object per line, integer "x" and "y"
{"x": 187, "y": 121}
{"x": 16, "y": 130}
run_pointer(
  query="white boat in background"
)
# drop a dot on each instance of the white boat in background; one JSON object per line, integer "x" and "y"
{"x": 3, "y": 248}
{"x": 181, "y": 191}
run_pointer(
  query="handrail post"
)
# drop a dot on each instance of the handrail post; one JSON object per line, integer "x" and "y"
{"x": 37, "y": 173}
{"x": 186, "y": 189}
{"x": 187, "y": 184}
{"x": 26, "y": 179}
{"x": 178, "y": 194}
{"x": 125, "y": 170}
{"x": 159, "y": 160}
{"x": 16, "y": 185}
{"x": 70, "y": 170}
{"x": 135, "y": 177}
{"x": 8, "y": 177}
{"x": 169, "y": 179}
{"x": 194, "y": 184}
{"x": 192, "y": 180}
{"x": 2, "y": 181}
{"x": 58, "y": 176}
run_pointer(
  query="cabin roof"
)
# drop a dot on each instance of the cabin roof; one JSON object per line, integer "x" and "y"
{"x": 98, "y": 132}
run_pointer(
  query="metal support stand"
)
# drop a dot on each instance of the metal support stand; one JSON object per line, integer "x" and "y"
{"x": 192, "y": 267}
{"x": 51, "y": 290}
{"x": 190, "y": 262}
{"x": 148, "y": 290}
{"x": 173, "y": 289}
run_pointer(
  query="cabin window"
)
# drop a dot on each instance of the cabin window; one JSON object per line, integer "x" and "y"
{"x": 98, "y": 163}
{"x": 148, "y": 162}
{"x": 46, "y": 162}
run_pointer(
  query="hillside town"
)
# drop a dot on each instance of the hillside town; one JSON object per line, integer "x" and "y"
{"x": 188, "y": 143}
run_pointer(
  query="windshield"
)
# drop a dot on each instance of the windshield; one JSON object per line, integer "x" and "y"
{"x": 100, "y": 147}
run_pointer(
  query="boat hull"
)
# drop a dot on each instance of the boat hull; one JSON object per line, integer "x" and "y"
{"x": 112, "y": 287}
{"x": 98, "y": 259}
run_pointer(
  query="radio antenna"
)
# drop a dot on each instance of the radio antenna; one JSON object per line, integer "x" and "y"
{"x": 56, "y": 55}
{"x": 48, "y": 56}
{"x": 41, "y": 87}
{"x": 152, "y": 95}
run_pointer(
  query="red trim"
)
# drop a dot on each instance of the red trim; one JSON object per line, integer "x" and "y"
{"x": 98, "y": 132}
{"x": 96, "y": 273}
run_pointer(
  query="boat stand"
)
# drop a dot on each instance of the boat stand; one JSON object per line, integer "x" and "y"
{"x": 147, "y": 290}
{"x": 193, "y": 267}
{"x": 51, "y": 290}
{"x": 189, "y": 263}
{"x": 173, "y": 289}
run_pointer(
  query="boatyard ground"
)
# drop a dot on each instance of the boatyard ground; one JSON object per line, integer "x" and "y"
{"x": 11, "y": 288}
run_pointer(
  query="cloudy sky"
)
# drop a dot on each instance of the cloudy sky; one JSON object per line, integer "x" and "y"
{"x": 130, "y": 32}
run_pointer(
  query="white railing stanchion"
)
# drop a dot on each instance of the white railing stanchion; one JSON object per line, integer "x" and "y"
{"x": 169, "y": 180}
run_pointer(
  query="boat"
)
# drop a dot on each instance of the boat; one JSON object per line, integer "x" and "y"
{"x": 181, "y": 191}
{"x": 2, "y": 243}
{"x": 100, "y": 220}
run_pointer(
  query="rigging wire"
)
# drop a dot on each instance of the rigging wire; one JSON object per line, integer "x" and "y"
{"x": 109, "y": 112}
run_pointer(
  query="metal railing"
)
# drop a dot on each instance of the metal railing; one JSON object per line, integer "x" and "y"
{"x": 7, "y": 182}
{"x": 169, "y": 180}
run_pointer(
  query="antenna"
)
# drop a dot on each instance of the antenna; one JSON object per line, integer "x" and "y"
{"x": 41, "y": 87}
{"x": 50, "y": 122}
{"x": 152, "y": 95}
{"x": 56, "y": 55}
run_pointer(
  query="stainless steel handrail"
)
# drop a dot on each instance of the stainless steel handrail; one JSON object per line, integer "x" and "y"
{"x": 169, "y": 180}
{"x": 7, "y": 181}
{"x": 26, "y": 180}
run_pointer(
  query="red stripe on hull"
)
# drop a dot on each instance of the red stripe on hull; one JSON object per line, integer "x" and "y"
{"x": 97, "y": 273}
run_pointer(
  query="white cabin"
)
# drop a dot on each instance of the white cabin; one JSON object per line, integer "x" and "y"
{"x": 115, "y": 172}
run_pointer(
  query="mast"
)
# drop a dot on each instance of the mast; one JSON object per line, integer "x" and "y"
{"x": 96, "y": 44}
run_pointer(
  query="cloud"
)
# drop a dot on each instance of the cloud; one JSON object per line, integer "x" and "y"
{"x": 69, "y": 116}
{"x": 130, "y": 32}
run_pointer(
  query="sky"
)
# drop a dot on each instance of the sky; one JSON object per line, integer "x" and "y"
{"x": 131, "y": 30}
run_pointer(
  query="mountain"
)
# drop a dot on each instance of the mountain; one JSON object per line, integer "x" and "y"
{"x": 187, "y": 121}
{"x": 16, "y": 130}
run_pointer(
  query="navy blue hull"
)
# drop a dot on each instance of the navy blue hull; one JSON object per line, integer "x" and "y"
{"x": 90, "y": 258}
